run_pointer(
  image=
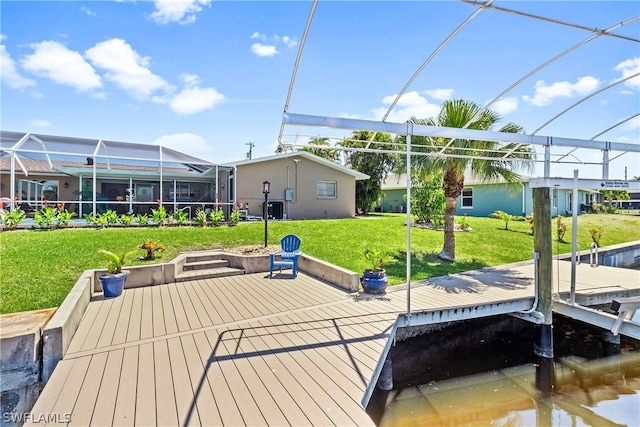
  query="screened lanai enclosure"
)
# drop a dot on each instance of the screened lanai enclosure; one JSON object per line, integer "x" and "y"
{"x": 92, "y": 176}
{"x": 568, "y": 139}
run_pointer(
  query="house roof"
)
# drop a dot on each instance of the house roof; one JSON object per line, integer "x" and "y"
{"x": 48, "y": 154}
{"x": 399, "y": 182}
{"x": 304, "y": 154}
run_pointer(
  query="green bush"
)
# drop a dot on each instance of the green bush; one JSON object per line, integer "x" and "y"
{"x": 427, "y": 199}
{"x": 596, "y": 233}
{"x": 201, "y": 217}
{"x": 503, "y": 216}
{"x": 217, "y": 217}
{"x": 561, "y": 228}
{"x": 46, "y": 217}
{"x": 13, "y": 218}
{"x": 234, "y": 218}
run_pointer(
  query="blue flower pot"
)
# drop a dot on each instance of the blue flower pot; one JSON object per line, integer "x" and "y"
{"x": 113, "y": 284}
{"x": 374, "y": 282}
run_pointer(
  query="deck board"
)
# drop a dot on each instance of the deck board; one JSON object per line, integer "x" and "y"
{"x": 204, "y": 400}
{"x": 248, "y": 350}
{"x": 146, "y": 387}
{"x": 108, "y": 394}
{"x": 125, "y": 404}
{"x": 166, "y": 402}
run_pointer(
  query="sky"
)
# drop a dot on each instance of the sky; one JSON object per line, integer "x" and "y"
{"x": 208, "y": 77}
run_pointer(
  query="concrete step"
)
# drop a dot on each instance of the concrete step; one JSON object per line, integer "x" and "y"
{"x": 205, "y": 264}
{"x": 206, "y": 256}
{"x": 207, "y": 273}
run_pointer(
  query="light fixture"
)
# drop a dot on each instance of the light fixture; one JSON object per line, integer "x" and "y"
{"x": 66, "y": 185}
{"x": 266, "y": 187}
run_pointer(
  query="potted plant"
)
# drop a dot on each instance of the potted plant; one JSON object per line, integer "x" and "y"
{"x": 374, "y": 279}
{"x": 113, "y": 281}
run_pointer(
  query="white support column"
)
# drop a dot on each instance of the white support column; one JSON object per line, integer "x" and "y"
{"x": 605, "y": 163}
{"x": 574, "y": 235}
{"x": 547, "y": 158}
{"x": 408, "y": 315}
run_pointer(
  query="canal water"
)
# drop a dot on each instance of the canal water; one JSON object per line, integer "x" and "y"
{"x": 484, "y": 372}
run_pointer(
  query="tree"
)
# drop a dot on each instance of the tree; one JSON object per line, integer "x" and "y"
{"x": 329, "y": 154}
{"x": 427, "y": 198}
{"x": 611, "y": 196}
{"x": 376, "y": 165}
{"x": 486, "y": 160}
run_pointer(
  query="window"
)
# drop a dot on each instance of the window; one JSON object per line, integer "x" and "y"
{"x": 467, "y": 198}
{"x": 554, "y": 198}
{"x": 326, "y": 190}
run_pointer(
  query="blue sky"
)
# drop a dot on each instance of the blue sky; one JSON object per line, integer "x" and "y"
{"x": 207, "y": 77}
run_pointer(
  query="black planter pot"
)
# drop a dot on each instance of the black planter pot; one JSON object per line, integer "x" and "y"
{"x": 113, "y": 284}
{"x": 374, "y": 282}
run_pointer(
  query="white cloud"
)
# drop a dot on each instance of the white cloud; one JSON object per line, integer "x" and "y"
{"x": 180, "y": 11}
{"x": 268, "y": 46}
{"x": 263, "y": 50}
{"x": 40, "y": 123}
{"x": 545, "y": 94}
{"x": 627, "y": 68}
{"x": 8, "y": 71}
{"x": 439, "y": 94}
{"x": 194, "y": 99}
{"x": 88, "y": 11}
{"x": 197, "y": 145}
{"x": 505, "y": 105}
{"x": 289, "y": 42}
{"x": 410, "y": 104}
{"x": 126, "y": 69}
{"x": 62, "y": 65}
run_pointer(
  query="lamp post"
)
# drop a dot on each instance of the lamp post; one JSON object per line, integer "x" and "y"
{"x": 266, "y": 187}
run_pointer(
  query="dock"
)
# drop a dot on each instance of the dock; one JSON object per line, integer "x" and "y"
{"x": 248, "y": 350}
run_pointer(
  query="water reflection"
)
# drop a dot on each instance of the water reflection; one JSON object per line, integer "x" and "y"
{"x": 594, "y": 383}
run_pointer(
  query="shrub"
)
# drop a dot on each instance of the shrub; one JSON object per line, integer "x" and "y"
{"x": 65, "y": 217}
{"x": 13, "y": 218}
{"x": 503, "y": 216}
{"x": 234, "y": 218}
{"x": 108, "y": 218}
{"x": 46, "y": 217}
{"x": 463, "y": 222}
{"x": 91, "y": 218}
{"x": 180, "y": 217}
{"x": 561, "y": 228}
{"x": 529, "y": 219}
{"x": 217, "y": 216}
{"x": 596, "y": 232}
{"x": 201, "y": 217}
{"x": 125, "y": 219}
{"x": 142, "y": 219}
{"x": 427, "y": 199}
{"x": 159, "y": 215}
{"x": 151, "y": 247}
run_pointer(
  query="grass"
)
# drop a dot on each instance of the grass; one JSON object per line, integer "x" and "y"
{"x": 38, "y": 268}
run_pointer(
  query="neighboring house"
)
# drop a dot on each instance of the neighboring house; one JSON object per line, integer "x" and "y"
{"x": 38, "y": 170}
{"x": 482, "y": 199}
{"x": 125, "y": 177}
{"x": 303, "y": 186}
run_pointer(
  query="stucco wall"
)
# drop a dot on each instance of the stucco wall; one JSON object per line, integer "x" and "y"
{"x": 302, "y": 179}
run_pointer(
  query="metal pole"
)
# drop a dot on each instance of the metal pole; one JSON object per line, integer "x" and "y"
{"x": 574, "y": 235}
{"x": 266, "y": 219}
{"x": 408, "y": 315}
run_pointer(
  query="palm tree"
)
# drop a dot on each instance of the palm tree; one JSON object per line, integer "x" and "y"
{"x": 487, "y": 160}
{"x": 325, "y": 153}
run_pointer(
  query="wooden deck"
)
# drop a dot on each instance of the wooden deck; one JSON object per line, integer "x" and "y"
{"x": 243, "y": 350}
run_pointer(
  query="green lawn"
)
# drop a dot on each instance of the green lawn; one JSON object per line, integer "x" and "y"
{"x": 38, "y": 268}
